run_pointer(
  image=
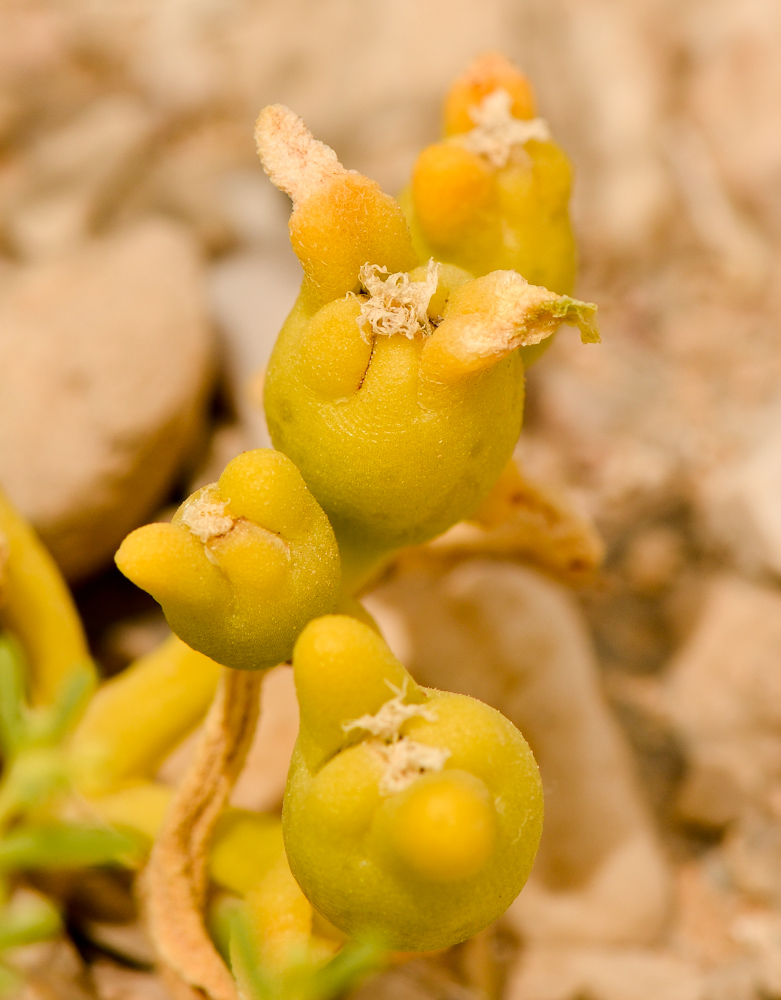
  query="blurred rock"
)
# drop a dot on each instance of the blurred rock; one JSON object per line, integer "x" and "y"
{"x": 740, "y": 500}
{"x": 420, "y": 979}
{"x": 70, "y": 178}
{"x": 705, "y": 914}
{"x": 227, "y": 441}
{"x": 113, "y": 982}
{"x": 52, "y": 970}
{"x": 105, "y": 357}
{"x": 601, "y": 73}
{"x": 603, "y": 974}
{"x": 733, "y": 85}
{"x": 724, "y": 695}
{"x": 760, "y": 934}
{"x": 251, "y": 295}
{"x": 654, "y": 558}
{"x": 510, "y": 637}
{"x": 185, "y": 179}
{"x": 126, "y": 942}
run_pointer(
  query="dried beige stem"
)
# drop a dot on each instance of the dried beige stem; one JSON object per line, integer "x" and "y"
{"x": 176, "y": 876}
{"x": 524, "y": 521}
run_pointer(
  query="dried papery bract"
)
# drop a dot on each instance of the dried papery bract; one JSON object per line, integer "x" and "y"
{"x": 490, "y": 317}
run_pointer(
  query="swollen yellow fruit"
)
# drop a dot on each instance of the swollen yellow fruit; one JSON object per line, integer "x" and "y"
{"x": 244, "y": 564}
{"x": 412, "y": 816}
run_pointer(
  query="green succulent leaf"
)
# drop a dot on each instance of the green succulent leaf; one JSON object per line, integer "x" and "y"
{"x": 28, "y": 918}
{"x": 12, "y": 703}
{"x": 66, "y": 846}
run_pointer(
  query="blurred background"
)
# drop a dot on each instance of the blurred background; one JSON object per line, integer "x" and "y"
{"x": 145, "y": 271}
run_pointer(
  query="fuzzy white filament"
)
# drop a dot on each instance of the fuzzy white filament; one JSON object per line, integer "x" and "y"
{"x": 206, "y": 517}
{"x": 386, "y": 722}
{"x": 396, "y": 304}
{"x": 403, "y": 759}
{"x": 497, "y": 135}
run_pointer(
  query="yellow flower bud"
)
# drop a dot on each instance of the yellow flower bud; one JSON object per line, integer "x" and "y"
{"x": 493, "y": 195}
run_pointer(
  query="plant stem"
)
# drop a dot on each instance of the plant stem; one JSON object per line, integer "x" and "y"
{"x": 177, "y": 874}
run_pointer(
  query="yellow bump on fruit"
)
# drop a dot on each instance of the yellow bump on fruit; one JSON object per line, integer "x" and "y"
{"x": 337, "y": 355}
{"x": 445, "y": 827}
{"x": 168, "y": 562}
{"x": 451, "y": 188}
{"x": 265, "y": 487}
{"x": 342, "y": 670}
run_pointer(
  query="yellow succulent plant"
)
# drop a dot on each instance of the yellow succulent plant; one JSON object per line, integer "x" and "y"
{"x": 411, "y": 815}
{"x": 396, "y": 387}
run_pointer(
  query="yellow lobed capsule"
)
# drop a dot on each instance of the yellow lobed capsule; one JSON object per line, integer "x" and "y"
{"x": 243, "y": 566}
{"x": 396, "y": 390}
{"x": 411, "y": 816}
{"x": 494, "y": 194}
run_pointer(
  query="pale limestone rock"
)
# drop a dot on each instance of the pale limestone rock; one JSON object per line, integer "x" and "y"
{"x": 602, "y": 88}
{"x": 510, "y": 637}
{"x": 723, "y": 692}
{"x": 603, "y": 974}
{"x": 51, "y": 970}
{"x": 105, "y": 357}
{"x": 185, "y": 179}
{"x": 733, "y": 83}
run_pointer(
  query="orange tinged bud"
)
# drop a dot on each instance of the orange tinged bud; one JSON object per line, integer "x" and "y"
{"x": 488, "y": 73}
{"x": 451, "y": 187}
